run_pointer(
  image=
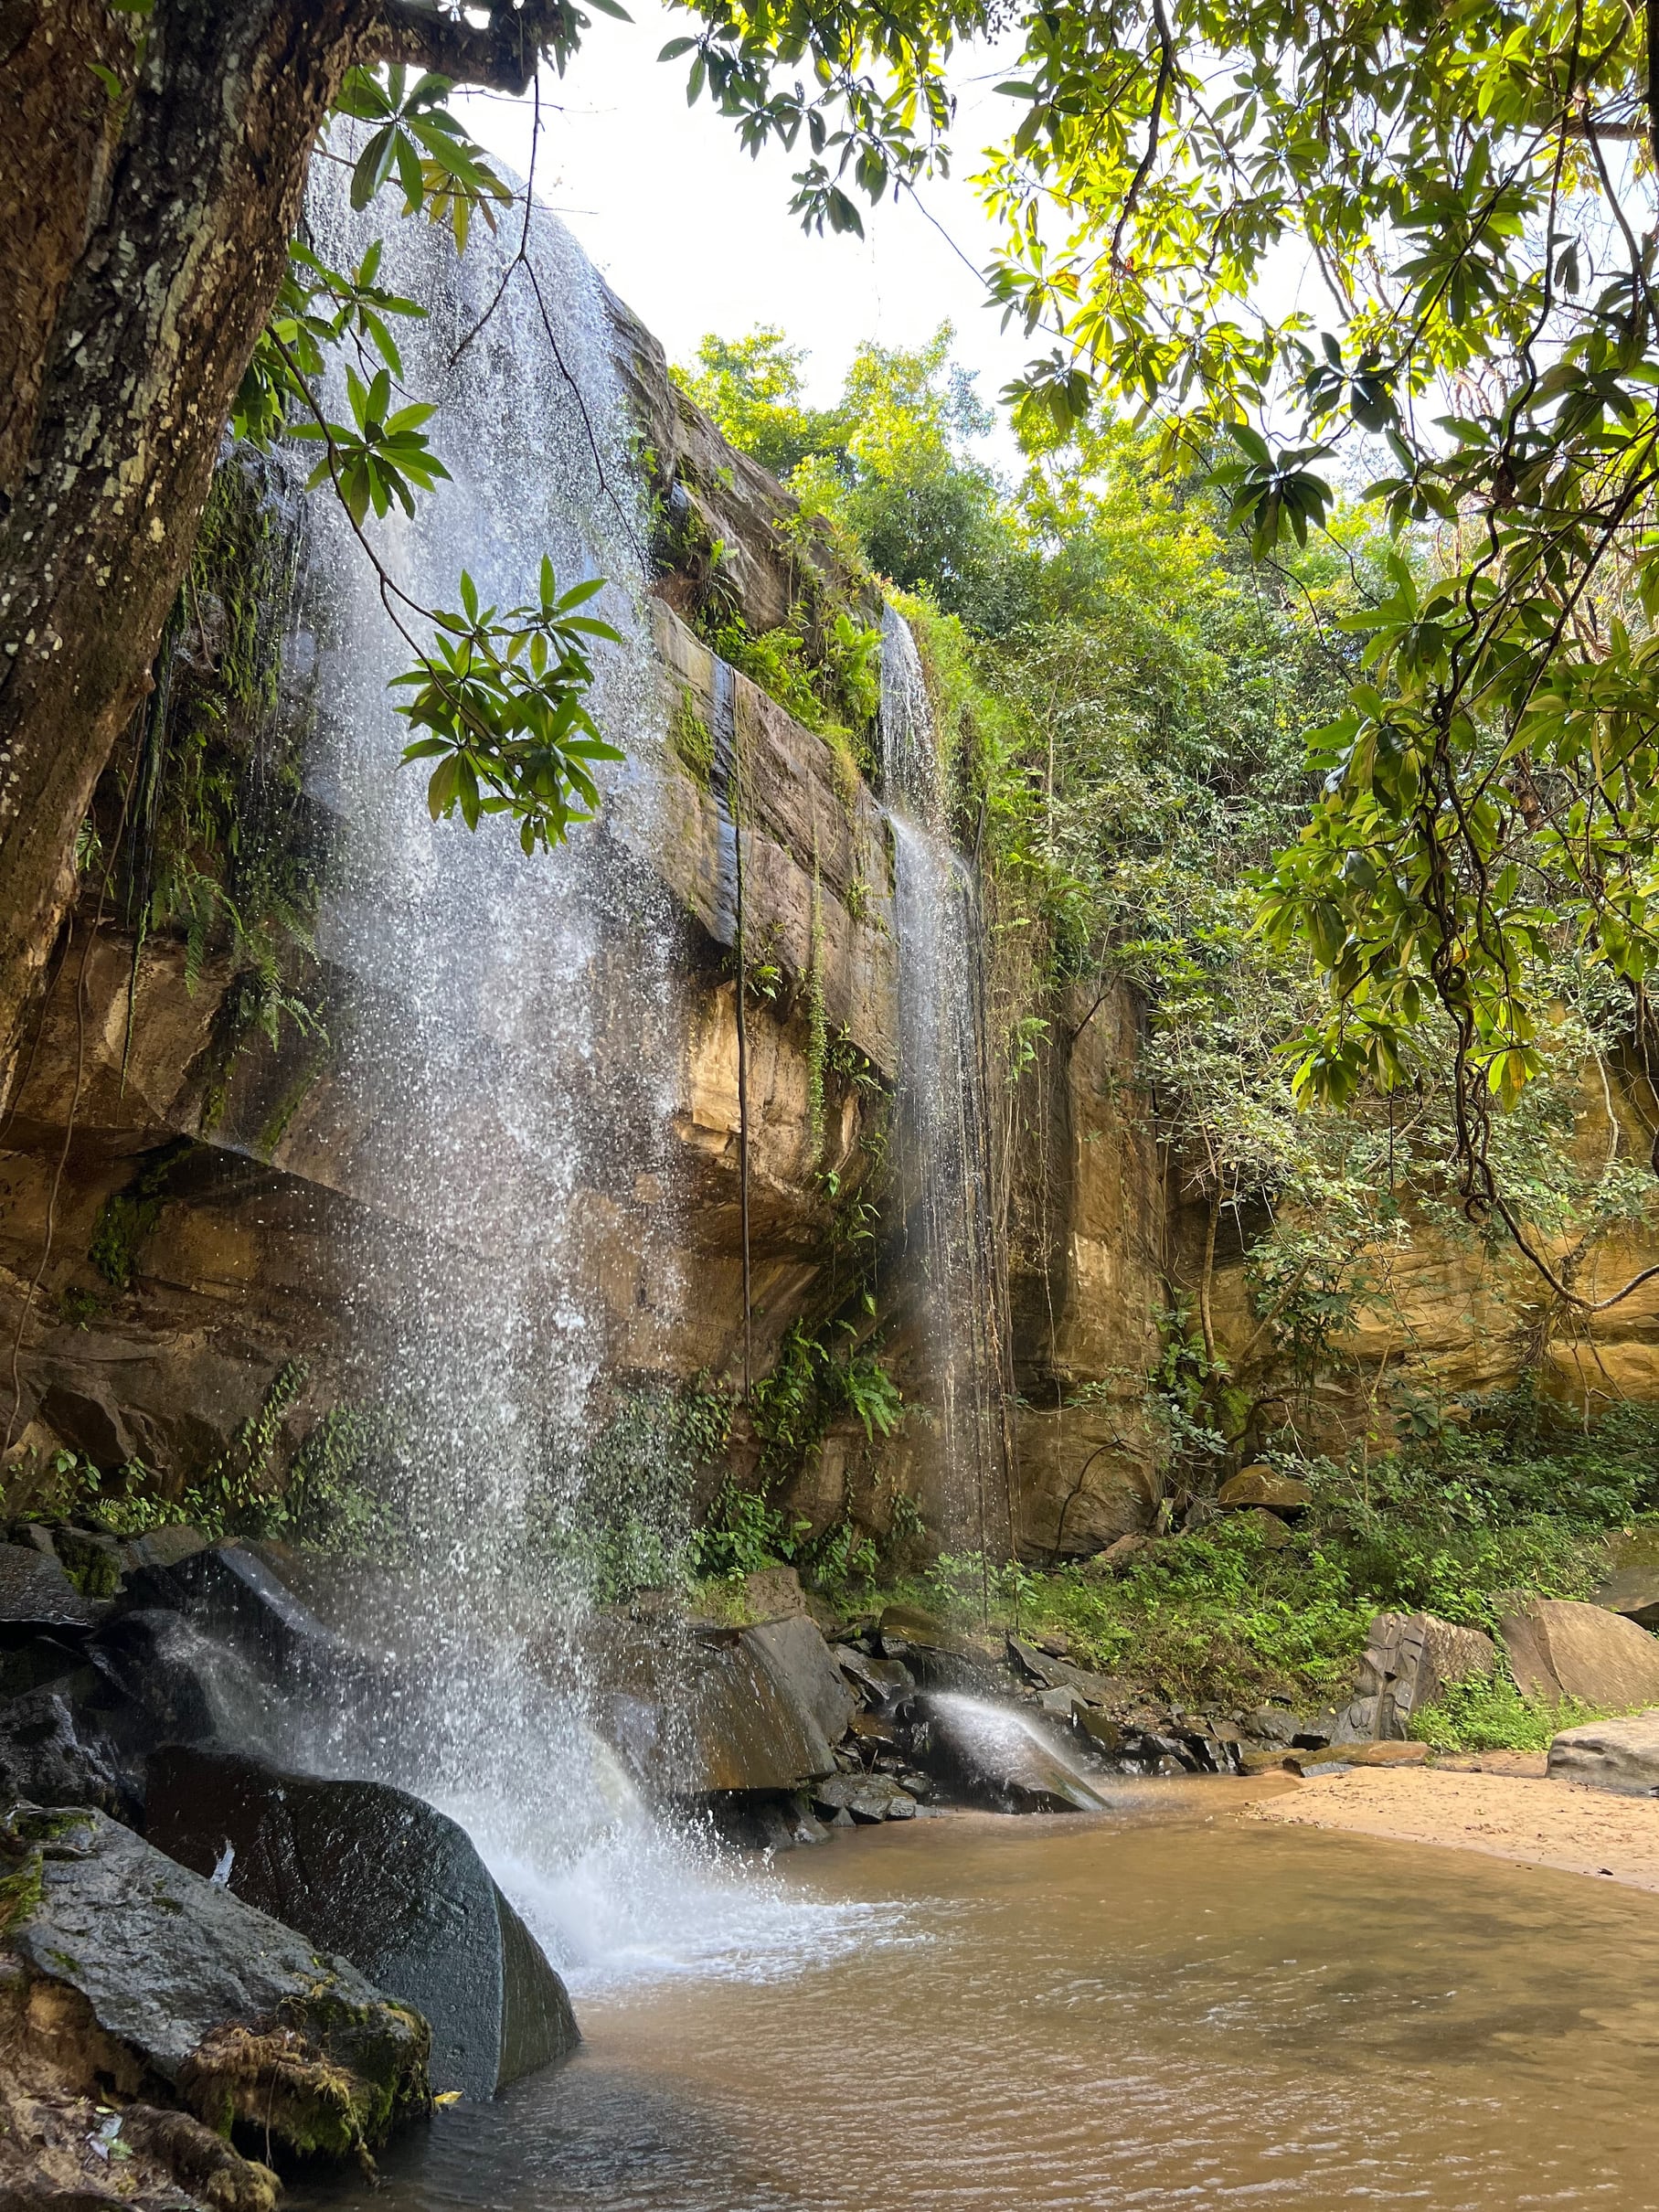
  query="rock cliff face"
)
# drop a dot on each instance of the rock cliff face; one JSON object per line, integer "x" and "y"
{"x": 175, "y": 1229}
{"x": 1087, "y": 1282}
{"x": 173, "y": 1214}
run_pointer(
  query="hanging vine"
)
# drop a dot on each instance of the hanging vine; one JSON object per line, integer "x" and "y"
{"x": 817, "y": 1027}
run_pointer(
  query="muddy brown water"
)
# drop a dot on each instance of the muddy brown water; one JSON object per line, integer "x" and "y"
{"x": 1192, "y": 2013}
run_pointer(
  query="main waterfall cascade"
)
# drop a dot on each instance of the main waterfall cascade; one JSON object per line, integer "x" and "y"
{"x": 508, "y": 1054}
{"x": 944, "y": 1148}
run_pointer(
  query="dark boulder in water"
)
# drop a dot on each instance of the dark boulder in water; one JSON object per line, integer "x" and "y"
{"x": 992, "y": 1756}
{"x": 387, "y": 1882}
{"x": 869, "y": 1798}
{"x": 701, "y": 1711}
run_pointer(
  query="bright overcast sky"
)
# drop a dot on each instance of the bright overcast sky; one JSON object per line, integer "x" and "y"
{"x": 696, "y": 237}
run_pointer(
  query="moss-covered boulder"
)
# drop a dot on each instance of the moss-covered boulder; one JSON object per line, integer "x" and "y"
{"x": 182, "y": 1993}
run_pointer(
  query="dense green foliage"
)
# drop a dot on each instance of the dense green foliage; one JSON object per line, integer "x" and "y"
{"x": 324, "y": 1482}
{"x": 1128, "y": 757}
{"x": 1221, "y": 1616}
{"x": 890, "y": 467}
{"x": 212, "y": 839}
{"x": 1475, "y": 206}
{"x": 1122, "y": 700}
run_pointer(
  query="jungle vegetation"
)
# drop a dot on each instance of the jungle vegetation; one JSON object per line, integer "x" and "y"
{"x": 1470, "y": 191}
{"x": 1125, "y": 688}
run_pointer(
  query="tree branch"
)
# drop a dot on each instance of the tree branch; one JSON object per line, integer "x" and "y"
{"x": 501, "y": 55}
{"x": 1167, "y": 62}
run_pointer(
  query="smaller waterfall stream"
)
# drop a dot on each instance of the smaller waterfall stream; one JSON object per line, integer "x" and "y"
{"x": 943, "y": 1134}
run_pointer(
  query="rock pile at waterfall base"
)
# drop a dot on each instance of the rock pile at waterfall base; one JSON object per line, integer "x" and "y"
{"x": 143, "y": 2007}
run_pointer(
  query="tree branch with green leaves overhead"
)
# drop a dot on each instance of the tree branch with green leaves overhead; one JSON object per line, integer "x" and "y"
{"x": 500, "y": 695}
{"x": 1411, "y": 253}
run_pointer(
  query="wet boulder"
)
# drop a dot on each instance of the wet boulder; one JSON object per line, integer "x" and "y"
{"x": 162, "y": 1981}
{"x": 83, "y": 1734}
{"x": 867, "y": 1798}
{"x": 37, "y": 1596}
{"x": 228, "y": 1592}
{"x": 1051, "y": 1673}
{"x": 162, "y": 1682}
{"x": 1559, "y": 1649}
{"x": 1098, "y": 1730}
{"x": 941, "y": 1657}
{"x": 31, "y": 1665}
{"x": 698, "y": 1711}
{"x": 387, "y": 1882}
{"x": 793, "y": 1652}
{"x": 57, "y": 1748}
{"x": 1621, "y": 1755}
{"x": 757, "y": 1820}
{"x": 991, "y": 1755}
{"x": 880, "y": 1682}
{"x": 163, "y": 1548}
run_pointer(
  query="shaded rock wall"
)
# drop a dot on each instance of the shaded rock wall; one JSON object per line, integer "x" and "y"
{"x": 196, "y": 1225}
{"x": 1448, "y": 1310}
{"x": 1086, "y": 1281}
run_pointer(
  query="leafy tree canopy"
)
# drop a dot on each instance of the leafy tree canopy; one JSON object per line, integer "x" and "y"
{"x": 1472, "y": 190}
{"x": 892, "y": 465}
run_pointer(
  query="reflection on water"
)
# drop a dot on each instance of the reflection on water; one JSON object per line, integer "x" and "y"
{"x": 1071, "y": 2013}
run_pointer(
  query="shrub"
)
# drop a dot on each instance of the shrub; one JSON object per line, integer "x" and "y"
{"x": 1492, "y": 1715}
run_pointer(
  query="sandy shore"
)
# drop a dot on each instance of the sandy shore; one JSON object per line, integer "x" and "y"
{"x": 1503, "y": 1805}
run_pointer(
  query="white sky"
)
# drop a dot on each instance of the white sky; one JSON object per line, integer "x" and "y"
{"x": 697, "y": 236}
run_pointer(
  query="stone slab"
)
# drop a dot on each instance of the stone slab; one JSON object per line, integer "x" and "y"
{"x": 1620, "y": 1755}
{"x": 37, "y": 1596}
{"x": 1559, "y": 1649}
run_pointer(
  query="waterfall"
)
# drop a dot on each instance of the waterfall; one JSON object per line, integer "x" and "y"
{"x": 950, "y": 1256}
{"x": 505, "y": 1056}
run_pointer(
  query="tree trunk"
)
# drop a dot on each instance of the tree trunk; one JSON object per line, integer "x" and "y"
{"x": 58, "y": 128}
{"x": 182, "y": 250}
